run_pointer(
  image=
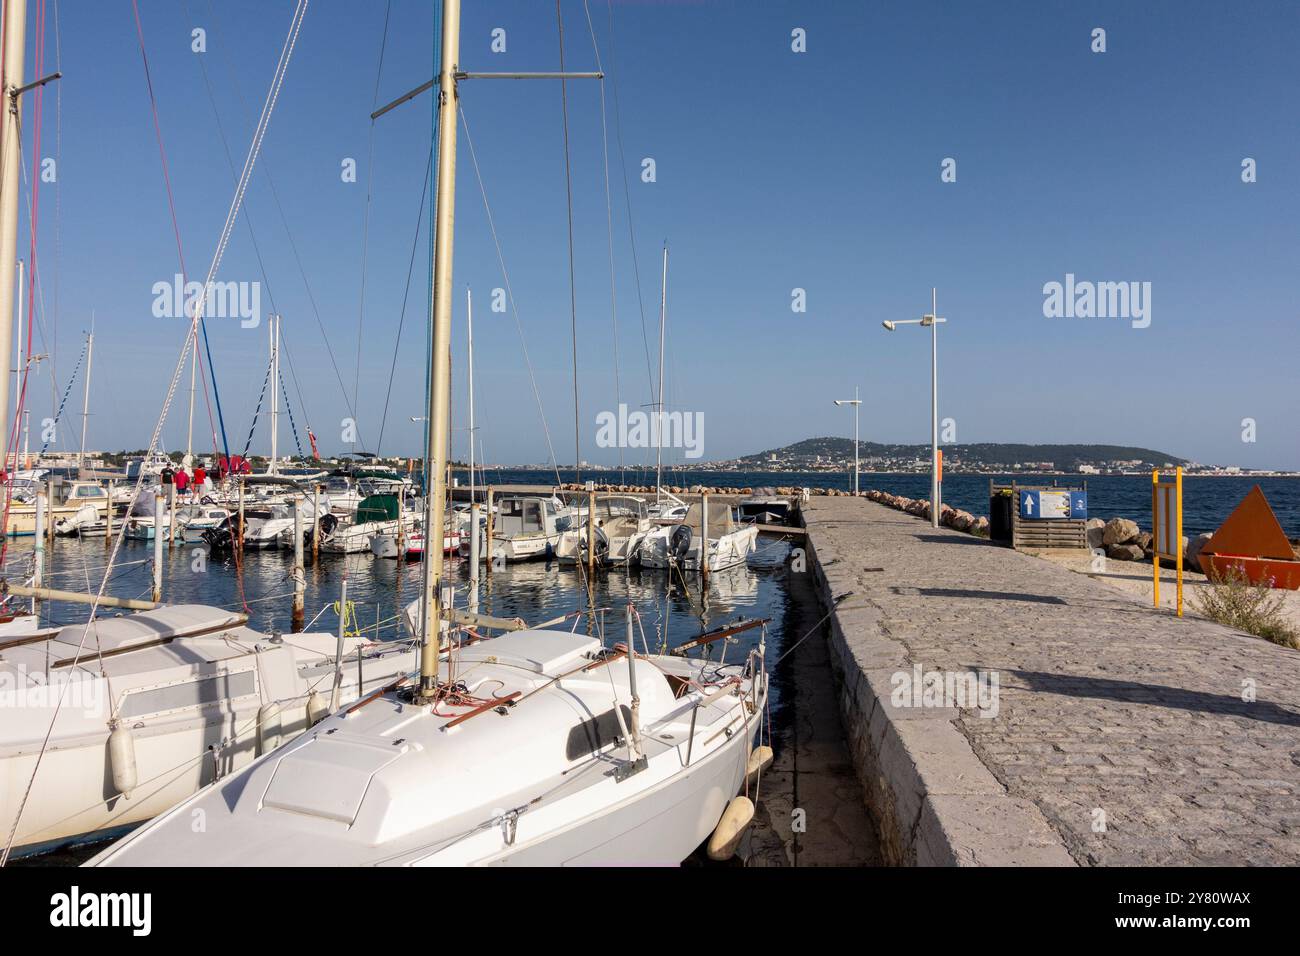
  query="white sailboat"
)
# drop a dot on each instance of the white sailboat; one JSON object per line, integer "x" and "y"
{"x": 143, "y": 710}
{"x": 537, "y": 747}
{"x": 109, "y": 722}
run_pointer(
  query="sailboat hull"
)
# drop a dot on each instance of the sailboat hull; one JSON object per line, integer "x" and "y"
{"x": 661, "y": 827}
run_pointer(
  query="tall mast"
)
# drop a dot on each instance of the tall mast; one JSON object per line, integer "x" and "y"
{"x": 275, "y": 390}
{"x": 435, "y": 452}
{"x": 85, "y": 398}
{"x": 659, "y": 406}
{"x": 194, "y": 361}
{"x": 469, "y": 325}
{"x": 20, "y": 362}
{"x": 15, "y": 47}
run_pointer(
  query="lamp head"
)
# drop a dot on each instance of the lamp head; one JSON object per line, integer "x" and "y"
{"x": 889, "y": 326}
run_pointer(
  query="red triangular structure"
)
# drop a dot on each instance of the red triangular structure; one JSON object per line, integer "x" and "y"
{"x": 1251, "y": 531}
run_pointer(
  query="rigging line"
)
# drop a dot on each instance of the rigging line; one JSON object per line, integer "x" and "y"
{"x": 293, "y": 426}
{"x": 627, "y": 198}
{"x": 297, "y": 388}
{"x": 66, "y": 392}
{"x": 282, "y": 66}
{"x": 171, "y": 206}
{"x": 258, "y": 411}
{"x": 248, "y": 221}
{"x": 609, "y": 225}
{"x": 58, "y": 192}
{"x": 514, "y": 308}
{"x": 410, "y": 269}
{"x": 293, "y": 247}
{"x": 36, "y": 287}
{"x": 573, "y": 292}
{"x": 34, "y": 205}
{"x": 365, "y": 218}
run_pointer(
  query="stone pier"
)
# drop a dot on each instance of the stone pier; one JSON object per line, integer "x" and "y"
{"x": 1118, "y": 734}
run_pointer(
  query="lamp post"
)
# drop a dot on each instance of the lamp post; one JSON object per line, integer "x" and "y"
{"x": 932, "y": 319}
{"x": 855, "y": 402}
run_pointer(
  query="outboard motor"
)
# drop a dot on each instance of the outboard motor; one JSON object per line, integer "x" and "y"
{"x": 327, "y": 524}
{"x": 220, "y": 539}
{"x": 679, "y": 543}
{"x": 602, "y": 544}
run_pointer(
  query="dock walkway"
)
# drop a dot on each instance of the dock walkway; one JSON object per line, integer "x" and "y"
{"x": 1121, "y": 735}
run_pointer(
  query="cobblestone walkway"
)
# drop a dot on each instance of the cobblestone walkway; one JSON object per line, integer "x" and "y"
{"x": 1130, "y": 731}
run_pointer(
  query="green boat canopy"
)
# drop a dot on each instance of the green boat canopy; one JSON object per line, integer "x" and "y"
{"x": 378, "y": 508}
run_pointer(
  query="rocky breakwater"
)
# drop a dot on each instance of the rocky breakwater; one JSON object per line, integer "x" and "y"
{"x": 1123, "y": 540}
{"x": 785, "y": 491}
{"x": 954, "y": 518}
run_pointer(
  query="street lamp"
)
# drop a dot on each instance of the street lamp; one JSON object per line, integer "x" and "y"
{"x": 932, "y": 319}
{"x": 855, "y": 402}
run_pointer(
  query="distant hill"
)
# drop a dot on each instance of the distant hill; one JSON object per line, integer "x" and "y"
{"x": 986, "y": 454}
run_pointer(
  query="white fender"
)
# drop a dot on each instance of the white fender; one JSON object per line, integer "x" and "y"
{"x": 316, "y": 709}
{"x": 121, "y": 758}
{"x": 268, "y": 727}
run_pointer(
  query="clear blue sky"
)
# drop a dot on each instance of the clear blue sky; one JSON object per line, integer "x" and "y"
{"x": 775, "y": 170}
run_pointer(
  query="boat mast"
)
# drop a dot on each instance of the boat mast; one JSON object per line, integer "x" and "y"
{"x": 275, "y": 393}
{"x": 15, "y": 48}
{"x": 659, "y": 406}
{"x": 435, "y": 452}
{"x": 85, "y": 398}
{"x": 469, "y": 325}
{"x": 194, "y": 361}
{"x": 19, "y": 360}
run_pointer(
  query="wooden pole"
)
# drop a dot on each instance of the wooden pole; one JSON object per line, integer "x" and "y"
{"x": 171, "y": 515}
{"x": 49, "y": 525}
{"x": 487, "y": 537}
{"x": 299, "y": 578}
{"x": 591, "y": 535}
{"x": 38, "y": 569}
{"x": 240, "y": 544}
{"x": 473, "y": 556}
{"x": 157, "y": 546}
{"x": 315, "y": 525}
{"x": 704, "y": 535}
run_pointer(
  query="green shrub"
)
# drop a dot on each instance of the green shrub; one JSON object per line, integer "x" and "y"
{"x": 1231, "y": 600}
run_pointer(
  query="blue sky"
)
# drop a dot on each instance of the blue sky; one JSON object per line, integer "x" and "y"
{"x": 775, "y": 170}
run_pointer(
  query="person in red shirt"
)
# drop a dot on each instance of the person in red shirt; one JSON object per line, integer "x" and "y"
{"x": 200, "y": 477}
{"x": 182, "y": 480}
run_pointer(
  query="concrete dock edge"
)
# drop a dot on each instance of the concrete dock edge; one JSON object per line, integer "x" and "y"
{"x": 934, "y": 801}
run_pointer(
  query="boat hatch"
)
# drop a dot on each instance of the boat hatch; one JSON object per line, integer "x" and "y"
{"x": 327, "y": 778}
{"x": 541, "y": 651}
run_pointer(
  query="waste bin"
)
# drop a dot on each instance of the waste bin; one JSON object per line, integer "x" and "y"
{"x": 1001, "y": 505}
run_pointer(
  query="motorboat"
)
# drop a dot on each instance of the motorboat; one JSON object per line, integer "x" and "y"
{"x": 524, "y": 528}
{"x": 621, "y": 524}
{"x": 681, "y": 545}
